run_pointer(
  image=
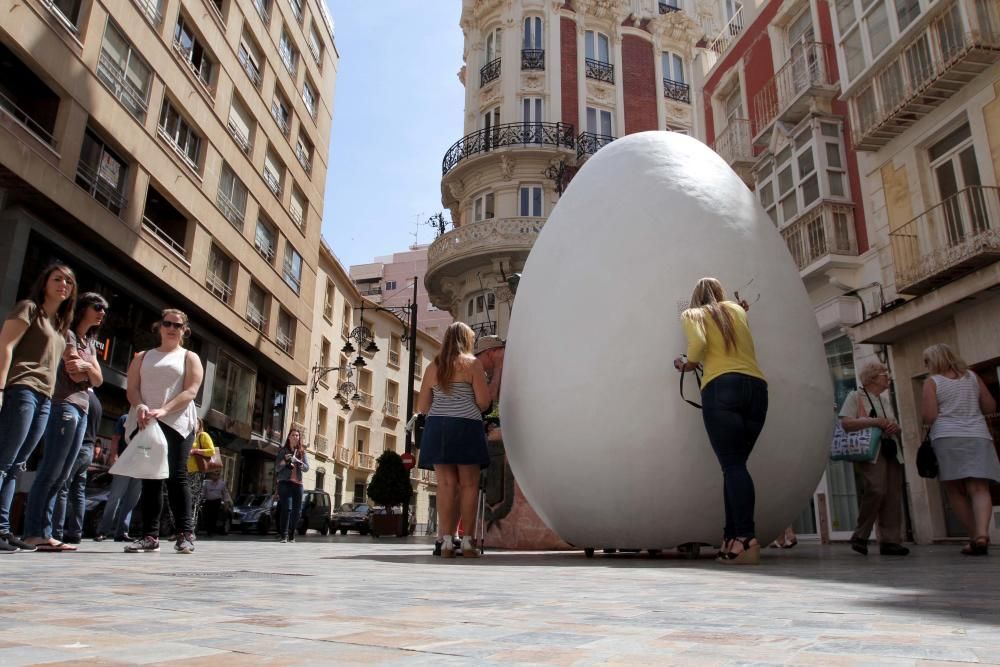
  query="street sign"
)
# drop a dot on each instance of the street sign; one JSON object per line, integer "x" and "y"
{"x": 409, "y": 460}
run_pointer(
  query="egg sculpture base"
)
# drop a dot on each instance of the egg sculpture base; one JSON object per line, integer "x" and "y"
{"x": 597, "y": 435}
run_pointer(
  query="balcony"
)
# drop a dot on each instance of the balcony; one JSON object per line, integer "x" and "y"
{"x": 733, "y": 144}
{"x": 150, "y": 9}
{"x": 532, "y": 59}
{"x": 599, "y": 70}
{"x": 937, "y": 61}
{"x": 589, "y": 143}
{"x": 365, "y": 400}
{"x": 27, "y": 105}
{"x": 791, "y": 93}
{"x": 185, "y": 55}
{"x": 100, "y": 189}
{"x": 166, "y": 224}
{"x": 113, "y": 77}
{"x": 166, "y": 241}
{"x": 728, "y": 34}
{"x": 343, "y": 455}
{"x": 948, "y": 241}
{"x": 285, "y": 343}
{"x": 26, "y": 121}
{"x": 233, "y": 214}
{"x": 280, "y": 118}
{"x": 484, "y": 329}
{"x": 242, "y": 140}
{"x": 391, "y": 409}
{"x": 676, "y": 91}
{"x": 667, "y": 8}
{"x": 303, "y": 157}
{"x": 219, "y": 288}
{"x": 394, "y": 358}
{"x": 248, "y": 66}
{"x": 824, "y": 230}
{"x": 370, "y": 291}
{"x": 265, "y": 250}
{"x": 320, "y": 444}
{"x": 489, "y": 72}
{"x": 464, "y": 247}
{"x": 514, "y": 135}
{"x": 273, "y": 184}
{"x": 364, "y": 461}
{"x": 257, "y": 319}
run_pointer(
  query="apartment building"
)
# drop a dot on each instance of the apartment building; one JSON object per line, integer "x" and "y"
{"x": 174, "y": 153}
{"x": 388, "y": 281}
{"x": 354, "y": 405}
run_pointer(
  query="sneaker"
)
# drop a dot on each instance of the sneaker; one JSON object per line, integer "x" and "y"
{"x": 448, "y": 548}
{"x": 291, "y": 538}
{"x": 185, "y": 544}
{"x": 468, "y": 549}
{"x": 283, "y": 539}
{"x": 6, "y": 547}
{"x": 437, "y": 546}
{"x": 17, "y": 543}
{"x": 859, "y": 545}
{"x": 100, "y": 538}
{"x": 893, "y": 550}
{"x": 147, "y": 544}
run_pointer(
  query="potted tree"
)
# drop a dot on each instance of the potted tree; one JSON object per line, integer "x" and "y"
{"x": 390, "y": 487}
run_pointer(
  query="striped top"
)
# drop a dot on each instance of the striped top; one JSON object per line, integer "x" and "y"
{"x": 959, "y": 415}
{"x": 460, "y": 402}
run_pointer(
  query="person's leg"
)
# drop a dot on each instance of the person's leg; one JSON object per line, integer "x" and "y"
{"x": 77, "y": 507}
{"x": 872, "y": 494}
{"x": 959, "y": 502}
{"x": 447, "y": 480}
{"x": 293, "y": 516}
{"x": 152, "y": 506}
{"x": 195, "y": 483}
{"x": 468, "y": 494}
{"x": 119, "y": 485}
{"x": 284, "y": 501}
{"x": 126, "y": 507}
{"x": 890, "y": 515}
{"x": 63, "y": 439}
{"x": 982, "y": 507}
{"x": 723, "y": 402}
{"x": 211, "y": 509}
{"x": 178, "y": 492}
{"x": 23, "y": 419}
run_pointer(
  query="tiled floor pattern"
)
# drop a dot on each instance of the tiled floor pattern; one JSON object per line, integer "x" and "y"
{"x": 358, "y": 601}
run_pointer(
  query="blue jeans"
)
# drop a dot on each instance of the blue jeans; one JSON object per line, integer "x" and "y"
{"x": 63, "y": 440}
{"x": 734, "y": 407}
{"x": 71, "y": 502}
{"x": 22, "y": 422}
{"x": 122, "y": 500}
{"x": 289, "y": 506}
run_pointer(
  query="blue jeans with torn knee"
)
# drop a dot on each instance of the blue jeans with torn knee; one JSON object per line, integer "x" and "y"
{"x": 63, "y": 440}
{"x": 23, "y": 417}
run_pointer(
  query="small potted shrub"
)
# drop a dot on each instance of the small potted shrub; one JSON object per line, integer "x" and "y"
{"x": 390, "y": 487}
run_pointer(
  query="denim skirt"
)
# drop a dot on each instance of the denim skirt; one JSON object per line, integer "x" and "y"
{"x": 453, "y": 441}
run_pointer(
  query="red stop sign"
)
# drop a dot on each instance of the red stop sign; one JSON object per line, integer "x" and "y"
{"x": 409, "y": 460}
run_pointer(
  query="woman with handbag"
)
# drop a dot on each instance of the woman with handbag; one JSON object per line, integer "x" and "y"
{"x": 78, "y": 371}
{"x": 199, "y": 464}
{"x": 31, "y": 346}
{"x": 882, "y": 486}
{"x": 953, "y": 403}
{"x": 162, "y": 385}
{"x": 734, "y": 405}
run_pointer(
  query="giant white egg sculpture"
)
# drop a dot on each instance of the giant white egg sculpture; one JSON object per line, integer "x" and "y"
{"x": 595, "y": 429}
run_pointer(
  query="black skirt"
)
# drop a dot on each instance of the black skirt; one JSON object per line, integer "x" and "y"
{"x": 453, "y": 441}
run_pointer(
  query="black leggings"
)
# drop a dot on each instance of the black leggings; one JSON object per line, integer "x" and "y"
{"x": 178, "y": 492}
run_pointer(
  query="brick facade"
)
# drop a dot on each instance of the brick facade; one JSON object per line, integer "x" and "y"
{"x": 567, "y": 45}
{"x": 638, "y": 72}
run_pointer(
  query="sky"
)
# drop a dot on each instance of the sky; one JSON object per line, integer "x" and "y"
{"x": 398, "y": 106}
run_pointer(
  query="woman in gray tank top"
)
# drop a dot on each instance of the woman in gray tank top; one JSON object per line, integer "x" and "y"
{"x": 453, "y": 396}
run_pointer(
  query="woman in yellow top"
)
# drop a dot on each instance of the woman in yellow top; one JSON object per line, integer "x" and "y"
{"x": 734, "y": 404}
{"x": 204, "y": 447}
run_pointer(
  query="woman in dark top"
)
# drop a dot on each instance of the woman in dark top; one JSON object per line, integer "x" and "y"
{"x": 78, "y": 372}
{"x": 31, "y": 345}
{"x": 292, "y": 462}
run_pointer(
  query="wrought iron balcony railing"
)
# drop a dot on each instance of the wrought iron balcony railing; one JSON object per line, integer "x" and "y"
{"x": 279, "y": 118}
{"x": 733, "y": 143}
{"x": 218, "y": 287}
{"x": 285, "y": 342}
{"x": 257, "y": 320}
{"x": 728, "y": 34}
{"x": 242, "y": 140}
{"x": 489, "y": 72}
{"x": 100, "y": 189}
{"x": 150, "y": 9}
{"x": 959, "y": 43}
{"x": 166, "y": 240}
{"x": 303, "y": 157}
{"x": 825, "y": 229}
{"x": 532, "y": 59}
{"x": 394, "y": 358}
{"x": 599, "y": 70}
{"x": 296, "y": 216}
{"x": 526, "y": 135}
{"x": 202, "y": 75}
{"x": 29, "y": 123}
{"x": 265, "y": 250}
{"x": 589, "y": 143}
{"x": 391, "y": 409}
{"x": 666, "y": 8}
{"x": 273, "y": 184}
{"x": 788, "y": 91}
{"x": 248, "y": 66}
{"x": 484, "y": 329}
{"x": 676, "y": 91}
{"x": 947, "y": 241}
{"x": 114, "y": 79}
{"x": 232, "y": 213}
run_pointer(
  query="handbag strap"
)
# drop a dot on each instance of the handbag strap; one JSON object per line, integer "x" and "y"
{"x": 697, "y": 377}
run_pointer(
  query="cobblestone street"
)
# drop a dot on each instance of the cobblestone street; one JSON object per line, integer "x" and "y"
{"x": 356, "y": 600}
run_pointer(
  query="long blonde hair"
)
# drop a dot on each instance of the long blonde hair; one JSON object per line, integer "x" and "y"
{"x": 458, "y": 340}
{"x": 941, "y": 358}
{"x": 707, "y": 297}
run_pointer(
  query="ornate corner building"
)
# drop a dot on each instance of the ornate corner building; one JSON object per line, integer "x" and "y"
{"x": 547, "y": 84}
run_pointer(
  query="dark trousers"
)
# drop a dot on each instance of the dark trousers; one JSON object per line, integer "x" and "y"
{"x": 289, "y": 506}
{"x": 211, "y": 509}
{"x": 178, "y": 493}
{"x": 734, "y": 407}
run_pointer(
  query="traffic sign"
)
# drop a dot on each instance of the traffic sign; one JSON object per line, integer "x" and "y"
{"x": 409, "y": 460}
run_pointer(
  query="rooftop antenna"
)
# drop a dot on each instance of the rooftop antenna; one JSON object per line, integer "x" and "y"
{"x": 416, "y": 231}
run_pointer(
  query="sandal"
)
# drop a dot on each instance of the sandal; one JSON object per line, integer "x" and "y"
{"x": 749, "y": 556}
{"x": 789, "y": 545}
{"x": 977, "y": 547}
{"x": 54, "y": 546}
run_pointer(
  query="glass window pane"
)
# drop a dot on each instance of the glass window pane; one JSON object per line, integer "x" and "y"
{"x": 524, "y": 201}
{"x": 810, "y": 190}
{"x": 785, "y": 180}
{"x": 789, "y": 207}
{"x": 806, "y": 163}
{"x": 845, "y": 14}
{"x": 853, "y": 54}
{"x": 836, "y": 180}
{"x": 602, "y": 49}
{"x": 678, "y": 71}
{"x": 589, "y": 44}
{"x": 906, "y": 12}
{"x": 536, "y": 201}
{"x": 878, "y": 29}
{"x": 833, "y": 155}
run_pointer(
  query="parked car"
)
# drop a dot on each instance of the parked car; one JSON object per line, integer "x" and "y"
{"x": 351, "y": 516}
{"x": 252, "y": 512}
{"x": 315, "y": 512}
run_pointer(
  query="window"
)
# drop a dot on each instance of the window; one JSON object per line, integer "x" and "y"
{"x": 315, "y": 44}
{"x": 532, "y": 33}
{"x": 280, "y": 111}
{"x": 531, "y": 116}
{"x": 232, "y": 389}
{"x": 102, "y": 173}
{"x": 232, "y": 196}
{"x": 599, "y": 122}
{"x": 241, "y": 125}
{"x": 303, "y": 152}
{"x": 732, "y": 104}
{"x": 297, "y": 208}
{"x": 389, "y": 444}
{"x": 249, "y": 57}
{"x": 68, "y": 10}
{"x": 180, "y": 135}
{"x": 493, "y": 40}
{"x": 324, "y": 353}
{"x": 296, "y": 6}
{"x": 328, "y": 301}
{"x": 597, "y": 46}
{"x": 482, "y": 207}
{"x": 123, "y": 72}
{"x": 286, "y": 331}
{"x": 957, "y": 181}
{"x": 193, "y": 52}
{"x": 868, "y": 27}
{"x": 273, "y": 173}
{"x": 309, "y": 97}
{"x": 531, "y": 200}
{"x": 345, "y": 323}
{"x": 341, "y": 427}
{"x": 390, "y": 285}
{"x": 673, "y": 67}
{"x": 292, "y": 269}
{"x": 288, "y": 54}
{"x": 906, "y": 12}
{"x": 219, "y": 278}
{"x": 266, "y": 239}
{"x": 257, "y": 307}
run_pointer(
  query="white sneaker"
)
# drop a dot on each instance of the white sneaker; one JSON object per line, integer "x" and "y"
{"x": 447, "y": 547}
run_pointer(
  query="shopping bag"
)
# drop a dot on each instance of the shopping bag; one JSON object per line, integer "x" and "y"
{"x": 146, "y": 454}
{"x": 859, "y": 446}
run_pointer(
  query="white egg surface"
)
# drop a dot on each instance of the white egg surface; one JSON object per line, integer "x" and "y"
{"x": 595, "y": 429}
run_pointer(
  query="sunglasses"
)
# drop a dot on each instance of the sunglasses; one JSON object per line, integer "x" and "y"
{"x": 172, "y": 325}
{"x": 98, "y": 307}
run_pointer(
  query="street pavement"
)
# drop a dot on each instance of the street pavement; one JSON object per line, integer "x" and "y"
{"x": 354, "y": 600}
